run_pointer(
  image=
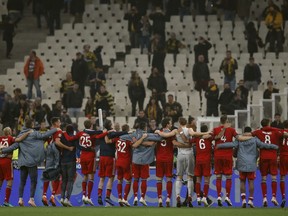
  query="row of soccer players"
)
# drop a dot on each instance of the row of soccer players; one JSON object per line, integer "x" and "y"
{"x": 90, "y": 142}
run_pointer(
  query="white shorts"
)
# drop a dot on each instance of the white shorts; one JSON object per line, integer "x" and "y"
{"x": 185, "y": 164}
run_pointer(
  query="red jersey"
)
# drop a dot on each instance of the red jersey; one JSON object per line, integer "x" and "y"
{"x": 165, "y": 150}
{"x": 268, "y": 135}
{"x": 227, "y": 137}
{"x": 123, "y": 151}
{"x": 284, "y": 146}
{"x": 5, "y": 142}
{"x": 203, "y": 149}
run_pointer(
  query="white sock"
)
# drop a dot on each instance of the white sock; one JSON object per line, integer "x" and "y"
{"x": 178, "y": 187}
{"x": 190, "y": 186}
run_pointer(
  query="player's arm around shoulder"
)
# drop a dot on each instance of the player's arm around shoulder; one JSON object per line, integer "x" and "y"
{"x": 166, "y": 135}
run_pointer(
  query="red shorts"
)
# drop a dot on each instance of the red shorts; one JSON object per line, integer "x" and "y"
{"x": 202, "y": 169}
{"x": 123, "y": 171}
{"x": 106, "y": 167}
{"x": 88, "y": 165}
{"x": 6, "y": 169}
{"x": 223, "y": 166}
{"x": 140, "y": 171}
{"x": 164, "y": 169}
{"x": 247, "y": 175}
{"x": 283, "y": 166}
{"x": 268, "y": 166}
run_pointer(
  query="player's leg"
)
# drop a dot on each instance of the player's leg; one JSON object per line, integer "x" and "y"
{"x": 190, "y": 173}
{"x": 71, "y": 175}
{"x": 55, "y": 187}
{"x": 251, "y": 192}
{"x": 180, "y": 172}
{"x": 145, "y": 174}
{"x": 127, "y": 189}
{"x": 242, "y": 178}
{"x": 64, "y": 174}
{"x": 274, "y": 189}
{"x": 282, "y": 188}
{"x": 207, "y": 202}
{"x": 136, "y": 175}
{"x": 198, "y": 188}
{"x": 119, "y": 184}
{"x": 8, "y": 193}
{"x": 84, "y": 187}
{"x": 159, "y": 179}
{"x": 33, "y": 174}
{"x": 228, "y": 189}
{"x": 218, "y": 172}
{"x": 169, "y": 174}
{"x": 8, "y": 176}
{"x": 283, "y": 172}
{"x": 90, "y": 188}
{"x": 109, "y": 172}
{"x": 100, "y": 190}
{"x": 264, "y": 190}
{"x": 23, "y": 179}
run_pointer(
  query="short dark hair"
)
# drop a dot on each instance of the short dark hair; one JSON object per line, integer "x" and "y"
{"x": 223, "y": 119}
{"x": 54, "y": 119}
{"x": 165, "y": 122}
{"x": 265, "y": 122}
{"x": 247, "y": 129}
{"x": 277, "y": 114}
{"x": 285, "y": 124}
{"x": 182, "y": 121}
{"x": 142, "y": 125}
{"x": 29, "y": 122}
{"x": 69, "y": 129}
{"x": 87, "y": 124}
{"x": 125, "y": 127}
{"x": 204, "y": 128}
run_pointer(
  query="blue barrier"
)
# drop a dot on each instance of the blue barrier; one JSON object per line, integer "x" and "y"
{"x": 151, "y": 196}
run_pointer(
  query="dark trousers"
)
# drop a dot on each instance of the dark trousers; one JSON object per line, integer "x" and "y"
{"x": 134, "y": 102}
{"x": 33, "y": 174}
{"x": 212, "y": 110}
{"x": 68, "y": 174}
{"x": 53, "y": 17}
{"x": 9, "y": 46}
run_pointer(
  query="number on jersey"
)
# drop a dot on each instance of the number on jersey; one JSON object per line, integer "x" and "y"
{"x": 163, "y": 143}
{"x": 121, "y": 146}
{"x": 223, "y": 138}
{"x": 202, "y": 144}
{"x": 267, "y": 139}
{"x": 4, "y": 143}
{"x": 85, "y": 141}
{"x": 285, "y": 141}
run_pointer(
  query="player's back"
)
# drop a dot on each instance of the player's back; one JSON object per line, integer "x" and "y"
{"x": 86, "y": 142}
{"x": 164, "y": 149}
{"x": 5, "y": 142}
{"x": 284, "y": 145}
{"x": 123, "y": 150}
{"x": 184, "y": 151}
{"x": 203, "y": 149}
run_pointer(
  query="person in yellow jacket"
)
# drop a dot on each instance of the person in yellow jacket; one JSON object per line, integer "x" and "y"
{"x": 274, "y": 22}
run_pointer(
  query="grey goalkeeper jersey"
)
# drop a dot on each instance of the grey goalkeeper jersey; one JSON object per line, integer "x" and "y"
{"x": 184, "y": 151}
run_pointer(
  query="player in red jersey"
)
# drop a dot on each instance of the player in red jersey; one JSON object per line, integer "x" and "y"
{"x": 52, "y": 160}
{"x": 87, "y": 142}
{"x": 204, "y": 148}
{"x": 283, "y": 164}
{"x": 6, "y": 168}
{"x": 223, "y": 161}
{"x": 268, "y": 158}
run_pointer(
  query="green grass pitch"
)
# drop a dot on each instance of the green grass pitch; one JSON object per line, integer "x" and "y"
{"x": 142, "y": 211}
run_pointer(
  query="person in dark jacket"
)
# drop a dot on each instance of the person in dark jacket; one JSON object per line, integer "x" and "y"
{"x": 39, "y": 10}
{"x": 201, "y": 75}
{"x": 159, "y": 54}
{"x": 136, "y": 91}
{"x": 202, "y": 48}
{"x": 133, "y": 18}
{"x": 97, "y": 52}
{"x": 53, "y": 11}
{"x": 15, "y": 10}
{"x": 252, "y": 75}
{"x": 74, "y": 101}
{"x": 252, "y": 38}
{"x": 8, "y": 35}
{"x": 158, "y": 18}
{"x": 158, "y": 85}
{"x": 153, "y": 111}
{"x": 105, "y": 101}
{"x": 77, "y": 8}
{"x": 79, "y": 71}
{"x": 277, "y": 121}
{"x": 212, "y": 94}
{"x": 173, "y": 109}
{"x": 96, "y": 79}
{"x": 225, "y": 98}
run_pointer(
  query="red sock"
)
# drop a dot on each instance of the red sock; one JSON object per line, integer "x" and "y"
{"x": 159, "y": 189}
{"x": 143, "y": 188}
{"x": 119, "y": 189}
{"x": 169, "y": 189}
{"x": 55, "y": 186}
{"x": 45, "y": 187}
{"x": 206, "y": 189}
{"x": 100, "y": 192}
{"x": 135, "y": 188}
{"x": 282, "y": 188}
{"x": 7, "y": 194}
{"x": 274, "y": 188}
{"x": 197, "y": 189}
{"x": 228, "y": 187}
{"x": 264, "y": 189}
{"x": 84, "y": 186}
{"x": 127, "y": 190}
{"x": 218, "y": 186}
{"x": 108, "y": 193}
{"x": 90, "y": 188}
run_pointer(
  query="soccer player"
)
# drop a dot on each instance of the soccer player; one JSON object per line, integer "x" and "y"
{"x": 6, "y": 170}
{"x": 204, "y": 149}
{"x": 268, "y": 158}
{"x": 52, "y": 160}
{"x": 283, "y": 164}
{"x": 247, "y": 153}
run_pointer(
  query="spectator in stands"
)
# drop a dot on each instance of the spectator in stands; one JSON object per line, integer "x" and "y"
{"x": 252, "y": 75}
{"x": 22, "y": 104}
{"x": 270, "y": 90}
{"x": 8, "y": 35}
{"x": 225, "y": 97}
{"x": 66, "y": 86}
{"x": 158, "y": 85}
{"x": 173, "y": 45}
{"x": 65, "y": 119}
{"x": 192, "y": 123}
{"x": 172, "y": 8}
{"x": 33, "y": 69}
{"x": 140, "y": 118}
{"x": 80, "y": 71}
{"x": 105, "y": 101}
{"x": 133, "y": 18}
{"x": 89, "y": 57}
{"x": 277, "y": 123}
{"x": 266, "y": 9}
{"x": 158, "y": 18}
{"x": 53, "y": 11}
{"x": 106, "y": 121}
{"x": 57, "y": 109}
{"x": 15, "y": 10}
{"x": 77, "y": 8}
{"x": 230, "y": 8}
{"x": 244, "y": 91}
{"x": 39, "y": 112}
{"x": 202, "y": 48}
{"x": 185, "y": 8}
{"x": 89, "y": 108}
{"x": 39, "y": 9}
{"x": 172, "y": 109}
{"x": 153, "y": 111}
{"x": 17, "y": 93}
{"x": 212, "y": 94}
{"x": 238, "y": 103}
{"x": 159, "y": 53}
{"x": 136, "y": 91}
{"x": 48, "y": 114}
{"x": 252, "y": 39}
{"x": 153, "y": 126}
{"x": 9, "y": 113}
{"x": 200, "y": 75}
{"x": 284, "y": 10}
{"x": 2, "y": 97}
{"x": 96, "y": 79}
{"x": 98, "y": 55}
{"x": 243, "y": 9}
{"x": 74, "y": 101}
{"x": 229, "y": 65}
{"x": 145, "y": 33}
{"x": 274, "y": 23}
